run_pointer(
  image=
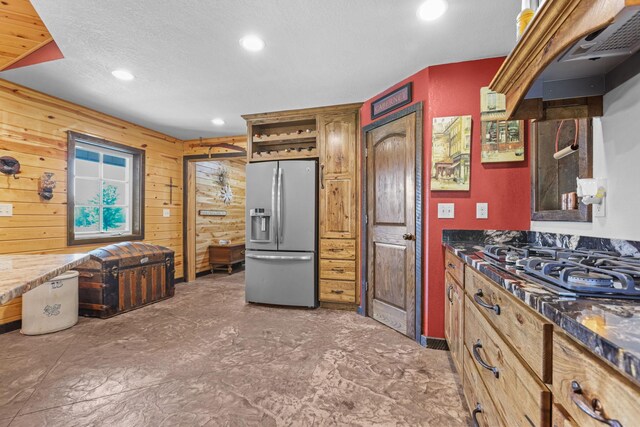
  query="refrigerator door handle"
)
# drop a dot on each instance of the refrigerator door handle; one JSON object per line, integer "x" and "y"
{"x": 280, "y": 257}
{"x": 273, "y": 202}
{"x": 280, "y": 201}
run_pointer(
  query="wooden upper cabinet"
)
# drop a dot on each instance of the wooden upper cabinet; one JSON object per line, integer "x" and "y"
{"x": 338, "y": 175}
{"x": 539, "y": 59}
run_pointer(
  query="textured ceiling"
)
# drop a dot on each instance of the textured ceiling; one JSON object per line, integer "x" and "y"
{"x": 190, "y": 68}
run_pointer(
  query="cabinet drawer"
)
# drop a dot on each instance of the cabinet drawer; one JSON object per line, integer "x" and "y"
{"x": 560, "y": 418}
{"x": 335, "y": 269}
{"x": 580, "y": 378}
{"x": 519, "y": 395}
{"x": 477, "y": 396}
{"x": 454, "y": 266}
{"x": 522, "y": 328}
{"x": 337, "y": 291}
{"x": 337, "y": 249}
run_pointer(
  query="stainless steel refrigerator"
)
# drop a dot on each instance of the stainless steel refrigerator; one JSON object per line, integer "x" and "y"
{"x": 281, "y": 230}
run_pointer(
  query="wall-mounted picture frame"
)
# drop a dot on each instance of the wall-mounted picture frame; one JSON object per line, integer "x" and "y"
{"x": 391, "y": 101}
{"x": 451, "y": 153}
{"x": 493, "y": 105}
{"x": 502, "y": 141}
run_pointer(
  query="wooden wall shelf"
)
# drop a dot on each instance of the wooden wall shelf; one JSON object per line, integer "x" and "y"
{"x": 557, "y": 25}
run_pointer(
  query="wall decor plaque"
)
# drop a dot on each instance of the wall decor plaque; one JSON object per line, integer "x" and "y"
{"x": 391, "y": 101}
{"x": 212, "y": 212}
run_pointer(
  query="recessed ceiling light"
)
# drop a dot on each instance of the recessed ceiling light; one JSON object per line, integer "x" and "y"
{"x": 432, "y": 9}
{"x": 252, "y": 43}
{"x": 122, "y": 75}
{"x": 217, "y": 121}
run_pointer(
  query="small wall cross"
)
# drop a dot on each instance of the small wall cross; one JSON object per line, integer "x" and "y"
{"x": 171, "y": 187}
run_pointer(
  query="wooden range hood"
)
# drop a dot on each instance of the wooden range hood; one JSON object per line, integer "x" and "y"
{"x": 540, "y": 78}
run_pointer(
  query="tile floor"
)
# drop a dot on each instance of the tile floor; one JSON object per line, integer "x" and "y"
{"x": 205, "y": 357}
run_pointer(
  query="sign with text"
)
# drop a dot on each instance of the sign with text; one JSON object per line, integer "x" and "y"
{"x": 391, "y": 101}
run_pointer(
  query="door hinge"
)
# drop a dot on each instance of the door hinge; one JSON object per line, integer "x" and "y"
{"x": 366, "y": 286}
{"x": 366, "y": 219}
{"x": 366, "y": 152}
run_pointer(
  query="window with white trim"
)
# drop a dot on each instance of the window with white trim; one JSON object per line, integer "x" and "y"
{"x": 106, "y": 186}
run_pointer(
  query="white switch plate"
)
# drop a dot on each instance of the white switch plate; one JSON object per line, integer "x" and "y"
{"x": 6, "y": 210}
{"x": 482, "y": 210}
{"x": 446, "y": 210}
{"x": 166, "y": 213}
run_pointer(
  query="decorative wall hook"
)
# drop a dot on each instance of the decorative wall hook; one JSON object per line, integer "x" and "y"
{"x": 47, "y": 184}
{"x": 9, "y": 166}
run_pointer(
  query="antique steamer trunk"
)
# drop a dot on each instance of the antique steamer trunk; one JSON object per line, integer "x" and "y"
{"x": 123, "y": 277}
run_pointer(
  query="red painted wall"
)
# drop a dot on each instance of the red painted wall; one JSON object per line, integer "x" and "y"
{"x": 451, "y": 90}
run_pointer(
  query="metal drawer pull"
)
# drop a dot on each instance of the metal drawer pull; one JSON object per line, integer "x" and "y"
{"x": 478, "y": 298}
{"x": 280, "y": 257}
{"x": 451, "y": 266}
{"x": 474, "y": 415}
{"x": 449, "y": 294}
{"x": 476, "y": 355}
{"x": 337, "y": 291}
{"x": 593, "y": 408}
{"x": 338, "y": 270}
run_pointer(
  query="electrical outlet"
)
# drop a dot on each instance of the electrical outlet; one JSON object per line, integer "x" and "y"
{"x": 482, "y": 210}
{"x": 6, "y": 210}
{"x": 166, "y": 213}
{"x": 599, "y": 210}
{"x": 446, "y": 210}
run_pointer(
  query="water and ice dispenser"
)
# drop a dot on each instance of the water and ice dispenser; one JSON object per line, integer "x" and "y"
{"x": 260, "y": 225}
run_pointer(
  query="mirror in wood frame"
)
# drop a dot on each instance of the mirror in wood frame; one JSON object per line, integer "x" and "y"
{"x": 555, "y": 176}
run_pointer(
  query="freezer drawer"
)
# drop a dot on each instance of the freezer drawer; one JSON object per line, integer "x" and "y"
{"x": 282, "y": 278}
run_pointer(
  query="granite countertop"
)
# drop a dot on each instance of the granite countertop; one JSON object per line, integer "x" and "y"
{"x": 20, "y": 273}
{"x": 609, "y": 328}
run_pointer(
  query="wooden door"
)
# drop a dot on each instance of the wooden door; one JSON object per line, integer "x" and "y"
{"x": 391, "y": 224}
{"x": 338, "y": 153}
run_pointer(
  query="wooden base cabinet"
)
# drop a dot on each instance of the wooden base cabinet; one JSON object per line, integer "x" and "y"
{"x": 591, "y": 391}
{"x": 454, "y": 320}
{"x": 520, "y": 370}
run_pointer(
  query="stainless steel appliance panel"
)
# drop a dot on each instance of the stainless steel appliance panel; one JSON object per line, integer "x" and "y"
{"x": 282, "y": 278}
{"x": 296, "y": 201}
{"x": 261, "y": 188}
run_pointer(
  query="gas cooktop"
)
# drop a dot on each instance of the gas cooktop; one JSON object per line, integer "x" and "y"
{"x": 571, "y": 272}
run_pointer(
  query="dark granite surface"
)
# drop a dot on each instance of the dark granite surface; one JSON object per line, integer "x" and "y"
{"x": 609, "y": 328}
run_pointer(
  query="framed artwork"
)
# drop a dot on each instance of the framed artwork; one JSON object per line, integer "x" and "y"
{"x": 450, "y": 153}
{"x": 493, "y": 105}
{"x": 502, "y": 141}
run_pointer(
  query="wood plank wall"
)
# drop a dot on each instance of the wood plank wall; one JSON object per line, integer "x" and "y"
{"x": 211, "y": 229}
{"x": 22, "y": 32}
{"x": 33, "y": 129}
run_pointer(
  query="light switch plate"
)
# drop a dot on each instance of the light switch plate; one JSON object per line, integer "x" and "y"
{"x": 446, "y": 210}
{"x": 482, "y": 210}
{"x": 6, "y": 210}
{"x": 166, "y": 213}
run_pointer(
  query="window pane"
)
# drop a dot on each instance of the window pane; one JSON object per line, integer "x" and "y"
{"x": 114, "y": 219}
{"x": 86, "y": 219}
{"x": 115, "y": 168}
{"x": 114, "y": 193}
{"x": 87, "y": 168}
{"x": 87, "y": 192}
